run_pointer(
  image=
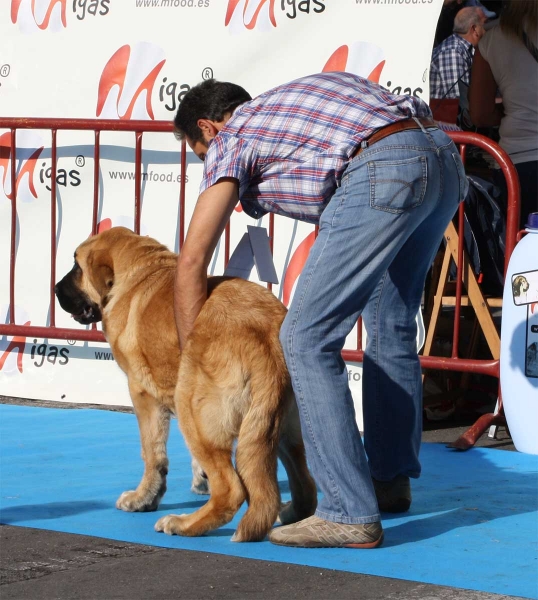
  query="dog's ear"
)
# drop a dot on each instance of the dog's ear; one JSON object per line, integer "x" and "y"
{"x": 101, "y": 272}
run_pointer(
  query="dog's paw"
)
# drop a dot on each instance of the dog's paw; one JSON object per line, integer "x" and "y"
{"x": 171, "y": 524}
{"x": 200, "y": 486}
{"x": 200, "y": 483}
{"x": 132, "y": 501}
{"x": 287, "y": 514}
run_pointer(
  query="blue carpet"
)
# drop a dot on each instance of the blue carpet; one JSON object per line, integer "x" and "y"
{"x": 473, "y": 523}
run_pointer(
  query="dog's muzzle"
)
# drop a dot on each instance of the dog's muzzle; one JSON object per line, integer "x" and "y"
{"x": 76, "y": 302}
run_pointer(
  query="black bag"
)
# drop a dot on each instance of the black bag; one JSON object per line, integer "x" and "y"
{"x": 485, "y": 234}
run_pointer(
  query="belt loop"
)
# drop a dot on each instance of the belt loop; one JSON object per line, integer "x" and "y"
{"x": 417, "y": 121}
{"x": 364, "y": 144}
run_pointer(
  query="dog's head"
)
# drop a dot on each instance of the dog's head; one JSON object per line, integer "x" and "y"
{"x": 86, "y": 289}
{"x": 519, "y": 285}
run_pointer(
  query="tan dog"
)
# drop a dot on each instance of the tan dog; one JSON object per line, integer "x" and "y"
{"x": 232, "y": 382}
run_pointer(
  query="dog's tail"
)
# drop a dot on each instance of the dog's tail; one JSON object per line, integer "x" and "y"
{"x": 257, "y": 448}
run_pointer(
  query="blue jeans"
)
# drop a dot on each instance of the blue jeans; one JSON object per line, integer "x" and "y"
{"x": 377, "y": 239}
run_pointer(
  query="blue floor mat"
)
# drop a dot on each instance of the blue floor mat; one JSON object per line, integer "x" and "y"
{"x": 473, "y": 523}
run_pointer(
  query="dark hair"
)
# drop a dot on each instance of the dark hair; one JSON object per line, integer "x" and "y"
{"x": 519, "y": 17}
{"x": 210, "y": 99}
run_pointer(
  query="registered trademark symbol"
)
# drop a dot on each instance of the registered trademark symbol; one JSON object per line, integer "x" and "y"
{"x": 71, "y": 342}
{"x": 4, "y": 70}
{"x": 80, "y": 161}
{"x": 207, "y": 73}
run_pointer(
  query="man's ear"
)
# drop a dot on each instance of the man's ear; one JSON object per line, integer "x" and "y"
{"x": 101, "y": 271}
{"x": 209, "y": 128}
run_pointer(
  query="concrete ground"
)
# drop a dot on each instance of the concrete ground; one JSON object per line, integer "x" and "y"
{"x": 47, "y": 565}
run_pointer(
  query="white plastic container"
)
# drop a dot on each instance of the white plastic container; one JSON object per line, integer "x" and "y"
{"x": 519, "y": 341}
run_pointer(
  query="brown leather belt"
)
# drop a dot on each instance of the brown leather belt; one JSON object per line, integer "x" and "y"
{"x": 394, "y": 128}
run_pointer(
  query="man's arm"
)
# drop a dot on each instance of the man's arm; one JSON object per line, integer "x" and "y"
{"x": 212, "y": 211}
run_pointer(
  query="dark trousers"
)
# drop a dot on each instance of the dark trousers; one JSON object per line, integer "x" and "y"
{"x": 528, "y": 180}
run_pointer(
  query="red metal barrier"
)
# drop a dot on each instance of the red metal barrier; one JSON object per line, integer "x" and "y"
{"x": 97, "y": 126}
{"x": 463, "y": 139}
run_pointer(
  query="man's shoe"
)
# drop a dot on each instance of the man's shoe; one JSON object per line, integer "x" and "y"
{"x": 314, "y": 532}
{"x": 393, "y": 496}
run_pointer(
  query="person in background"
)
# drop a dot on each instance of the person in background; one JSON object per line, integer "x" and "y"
{"x": 449, "y": 10}
{"x": 382, "y": 181}
{"x": 507, "y": 60}
{"x": 452, "y": 59}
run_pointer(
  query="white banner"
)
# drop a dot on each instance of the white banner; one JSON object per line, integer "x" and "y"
{"x": 135, "y": 59}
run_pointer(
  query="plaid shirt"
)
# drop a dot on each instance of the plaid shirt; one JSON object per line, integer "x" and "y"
{"x": 289, "y": 147}
{"x": 451, "y": 60}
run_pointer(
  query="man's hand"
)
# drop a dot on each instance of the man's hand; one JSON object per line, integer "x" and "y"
{"x": 212, "y": 211}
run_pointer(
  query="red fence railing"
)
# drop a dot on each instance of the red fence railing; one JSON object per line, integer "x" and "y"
{"x": 138, "y": 128}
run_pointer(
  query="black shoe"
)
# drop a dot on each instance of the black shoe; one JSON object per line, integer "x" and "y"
{"x": 393, "y": 496}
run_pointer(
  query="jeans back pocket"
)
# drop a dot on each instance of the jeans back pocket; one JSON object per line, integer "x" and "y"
{"x": 397, "y": 185}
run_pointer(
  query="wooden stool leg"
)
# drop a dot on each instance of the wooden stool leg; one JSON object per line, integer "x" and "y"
{"x": 437, "y": 304}
{"x": 476, "y": 298}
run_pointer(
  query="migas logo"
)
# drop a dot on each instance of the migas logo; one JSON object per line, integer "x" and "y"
{"x": 35, "y": 15}
{"x": 39, "y": 14}
{"x": 12, "y": 352}
{"x": 262, "y": 14}
{"x": 14, "y": 348}
{"x": 127, "y": 82}
{"x": 30, "y": 169}
{"x": 24, "y": 185}
{"x": 361, "y": 58}
{"x": 366, "y": 60}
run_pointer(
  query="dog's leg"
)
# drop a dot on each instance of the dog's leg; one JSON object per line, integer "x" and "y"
{"x": 227, "y": 495}
{"x": 292, "y": 454}
{"x": 211, "y": 447}
{"x": 200, "y": 484}
{"x": 154, "y": 425}
{"x": 256, "y": 463}
{"x": 257, "y": 447}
